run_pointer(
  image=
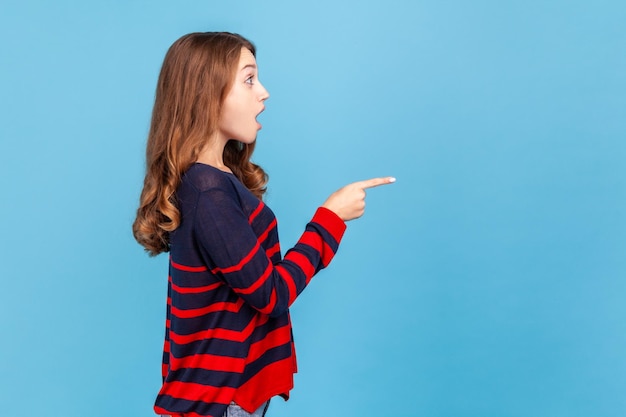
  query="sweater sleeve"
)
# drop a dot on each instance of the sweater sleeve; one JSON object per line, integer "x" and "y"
{"x": 233, "y": 251}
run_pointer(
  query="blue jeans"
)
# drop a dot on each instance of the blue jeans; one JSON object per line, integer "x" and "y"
{"x": 234, "y": 410}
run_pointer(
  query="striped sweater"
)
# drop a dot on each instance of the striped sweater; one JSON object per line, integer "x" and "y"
{"x": 228, "y": 333}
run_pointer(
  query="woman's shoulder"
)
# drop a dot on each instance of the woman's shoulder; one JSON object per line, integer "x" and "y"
{"x": 205, "y": 177}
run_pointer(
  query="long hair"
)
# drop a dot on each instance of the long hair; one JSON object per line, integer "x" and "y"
{"x": 197, "y": 74}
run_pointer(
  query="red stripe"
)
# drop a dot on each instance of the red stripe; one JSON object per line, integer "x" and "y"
{"x": 291, "y": 285}
{"x": 209, "y": 363}
{"x": 267, "y": 231}
{"x": 256, "y": 212}
{"x": 327, "y": 255}
{"x": 316, "y": 242}
{"x": 197, "y": 312}
{"x": 281, "y": 375}
{"x": 241, "y": 264}
{"x": 165, "y": 366}
{"x": 313, "y": 240}
{"x": 273, "y": 250}
{"x": 197, "y": 392}
{"x": 186, "y": 268}
{"x": 260, "y": 281}
{"x": 196, "y": 290}
{"x": 277, "y": 337}
{"x": 303, "y": 263}
{"x": 217, "y": 333}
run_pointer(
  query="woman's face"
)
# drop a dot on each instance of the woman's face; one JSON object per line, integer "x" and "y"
{"x": 244, "y": 102}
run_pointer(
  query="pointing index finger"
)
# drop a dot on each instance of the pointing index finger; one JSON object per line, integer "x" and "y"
{"x": 375, "y": 182}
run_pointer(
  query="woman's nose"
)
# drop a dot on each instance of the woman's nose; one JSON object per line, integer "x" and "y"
{"x": 264, "y": 94}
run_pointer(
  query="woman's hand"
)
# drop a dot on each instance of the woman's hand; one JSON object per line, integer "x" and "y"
{"x": 349, "y": 202}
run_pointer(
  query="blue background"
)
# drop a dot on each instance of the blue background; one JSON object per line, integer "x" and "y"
{"x": 488, "y": 281}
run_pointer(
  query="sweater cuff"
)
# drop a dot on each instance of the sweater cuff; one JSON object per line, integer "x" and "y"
{"x": 329, "y": 220}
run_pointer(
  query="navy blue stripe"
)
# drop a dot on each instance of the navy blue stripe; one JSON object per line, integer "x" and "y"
{"x": 180, "y": 406}
{"x": 205, "y": 299}
{"x": 299, "y": 278}
{"x": 272, "y": 324}
{"x": 205, "y": 377}
{"x": 219, "y": 319}
{"x": 212, "y": 347}
{"x": 273, "y": 355}
{"x": 328, "y": 238}
{"x": 193, "y": 279}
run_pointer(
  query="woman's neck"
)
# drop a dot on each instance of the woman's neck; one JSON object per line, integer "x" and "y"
{"x": 213, "y": 154}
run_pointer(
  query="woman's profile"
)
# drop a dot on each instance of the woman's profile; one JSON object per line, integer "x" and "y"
{"x": 228, "y": 341}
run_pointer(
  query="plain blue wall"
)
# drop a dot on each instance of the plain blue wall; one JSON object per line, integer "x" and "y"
{"x": 489, "y": 281}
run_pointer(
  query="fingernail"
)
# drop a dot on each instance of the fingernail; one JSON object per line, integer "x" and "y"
{"x": 392, "y": 179}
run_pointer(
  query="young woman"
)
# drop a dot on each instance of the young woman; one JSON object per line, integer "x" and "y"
{"x": 228, "y": 339}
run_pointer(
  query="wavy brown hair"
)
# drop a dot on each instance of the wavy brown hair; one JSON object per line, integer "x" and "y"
{"x": 197, "y": 74}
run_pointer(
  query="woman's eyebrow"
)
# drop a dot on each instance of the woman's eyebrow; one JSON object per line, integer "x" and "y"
{"x": 249, "y": 66}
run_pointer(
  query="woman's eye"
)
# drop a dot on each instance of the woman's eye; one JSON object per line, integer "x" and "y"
{"x": 249, "y": 80}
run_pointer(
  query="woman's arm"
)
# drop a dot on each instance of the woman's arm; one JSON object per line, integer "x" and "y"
{"x": 233, "y": 251}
